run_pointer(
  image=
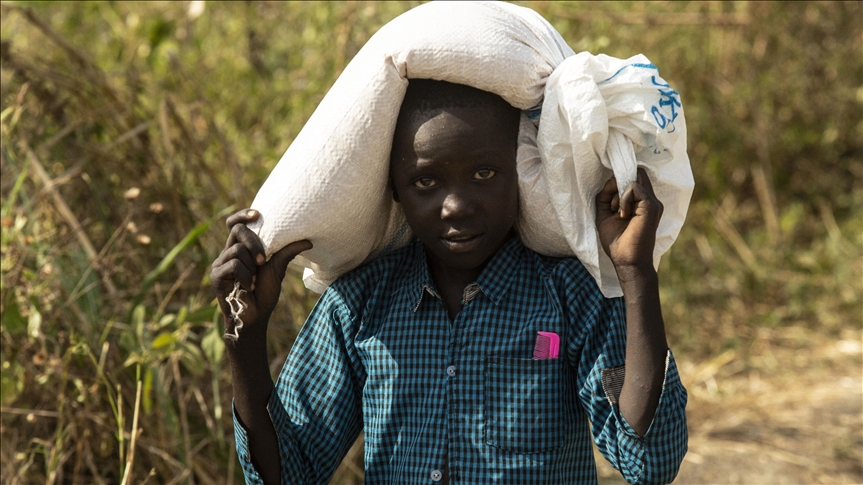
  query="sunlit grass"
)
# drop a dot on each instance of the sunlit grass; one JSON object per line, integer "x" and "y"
{"x": 128, "y": 129}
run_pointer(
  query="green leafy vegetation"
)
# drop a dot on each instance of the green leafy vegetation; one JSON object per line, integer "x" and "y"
{"x": 129, "y": 130}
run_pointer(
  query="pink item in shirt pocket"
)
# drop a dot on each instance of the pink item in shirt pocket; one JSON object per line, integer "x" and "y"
{"x": 547, "y": 345}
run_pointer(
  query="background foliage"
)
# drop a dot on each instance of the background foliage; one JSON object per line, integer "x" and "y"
{"x": 130, "y": 129}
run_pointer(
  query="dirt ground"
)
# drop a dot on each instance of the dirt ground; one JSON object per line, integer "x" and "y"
{"x": 788, "y": 411}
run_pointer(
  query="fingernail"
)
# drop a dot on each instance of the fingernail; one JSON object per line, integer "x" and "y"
{"x": 260, "y": 259}
{"x": 251, "y": 213}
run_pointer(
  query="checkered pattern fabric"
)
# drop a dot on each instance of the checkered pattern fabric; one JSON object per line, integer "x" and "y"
{"x": 464, "y": 400}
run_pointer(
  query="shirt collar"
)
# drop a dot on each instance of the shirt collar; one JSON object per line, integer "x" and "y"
{"x": 494, "y": 280}
{"x": 419, "y": 281}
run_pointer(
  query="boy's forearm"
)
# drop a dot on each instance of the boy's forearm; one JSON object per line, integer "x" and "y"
{"x": 252, "y": 387}
{"x": 646, "y": 347}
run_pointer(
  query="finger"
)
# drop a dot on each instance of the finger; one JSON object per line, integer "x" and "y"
{"x": 232, "y": 237}
{"x": 609, "y": 190}
{"x": 284, "y": 256}
{"x": 642, "y": 201}
{"x": 649, "y": 192}
{"x": 644, "y": 180}
{"x": 239, "y": 272}
{"x": 241, "y": 234}
{"x": 244, "y": 216}
{"x": 224, "y": 276}
{"x": 615, "y": 202}
{"x": 237, "y": 251}
{"x": 605, "y": 200}
{"x": 627, "y": 201}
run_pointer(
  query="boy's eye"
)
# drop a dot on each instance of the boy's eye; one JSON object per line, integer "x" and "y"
{"x": 484, "y": 174}
{"x": 425, "y": 182}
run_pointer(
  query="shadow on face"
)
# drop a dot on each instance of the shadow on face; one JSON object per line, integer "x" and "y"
{"x": 453, "y": 169}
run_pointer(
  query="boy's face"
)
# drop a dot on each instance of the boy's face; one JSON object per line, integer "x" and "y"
{"x": 454, "y": 172}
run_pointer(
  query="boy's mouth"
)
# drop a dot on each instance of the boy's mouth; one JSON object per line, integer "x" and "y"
{"x": 460, "y": 243}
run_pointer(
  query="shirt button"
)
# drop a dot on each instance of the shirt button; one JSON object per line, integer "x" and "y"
{"x": 450, "y": 371}
{"x": 436, "y": 475}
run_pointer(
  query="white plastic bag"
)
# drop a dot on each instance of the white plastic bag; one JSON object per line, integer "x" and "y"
{"x": 598, "y": 116}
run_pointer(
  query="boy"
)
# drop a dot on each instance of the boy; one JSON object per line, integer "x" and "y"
{"x": 433, "y": 350}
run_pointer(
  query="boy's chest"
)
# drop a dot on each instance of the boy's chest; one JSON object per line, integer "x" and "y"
{"x": 472, "y": 383}
{"x": 422, "y": 338}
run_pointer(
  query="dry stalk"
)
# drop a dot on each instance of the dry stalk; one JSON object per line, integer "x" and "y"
{"x": 205, "y": 410}
{"x": 183, "y": 474}
{"x": 185, "y": 274}
{"x": 229, "y": 158}
{"x": 130, "y": 455}
{"x": 198, "y": 152}
{"x": 830, "y": 224}
{"x": 170, "y": 460}
{"x": 184, "y": 417}
{"x": 170, "y": 165}
{"x": 733, "y": 237}
{"x": 57, "y": 137}
{"x": 65, "y": 177}
{"x": 94, "y": 77}
{"x": 35, "y": 412}
{"x": 766, "y": 196}
{"x": 94, "y": 471}
{"x": 67, "y": 214}
{"x": 708, "y": 369}
{"x": 232, "y": 462}
{"x": 137, "y": 130}
{"x": 49, "y": 32}
{"x": 121, "y": 426}
{"x": 762, "y": 173}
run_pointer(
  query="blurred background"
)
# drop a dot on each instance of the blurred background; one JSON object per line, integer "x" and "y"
{"x": 129, "y": 131}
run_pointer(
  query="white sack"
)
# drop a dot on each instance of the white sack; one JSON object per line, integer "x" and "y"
{"x": 598, "y": 116}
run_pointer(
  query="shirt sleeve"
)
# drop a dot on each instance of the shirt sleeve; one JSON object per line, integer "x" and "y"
{"x": 599, "y": 350}
{"x": 316, "y": 402}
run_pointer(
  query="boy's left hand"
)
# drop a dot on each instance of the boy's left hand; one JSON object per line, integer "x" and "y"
{"x": 627, "y": 225}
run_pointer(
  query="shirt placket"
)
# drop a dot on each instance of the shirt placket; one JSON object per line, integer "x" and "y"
{"x": 437, "y": 474}
{"x": 455, "y": 388}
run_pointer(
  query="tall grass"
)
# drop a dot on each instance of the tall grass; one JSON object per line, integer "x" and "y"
{"x": 130, "y": 129}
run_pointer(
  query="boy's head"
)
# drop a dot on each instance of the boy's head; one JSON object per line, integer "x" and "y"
{"x": 453, "y": 169}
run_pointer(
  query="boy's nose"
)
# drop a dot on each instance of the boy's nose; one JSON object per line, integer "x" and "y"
{"x": 455, "y": 206}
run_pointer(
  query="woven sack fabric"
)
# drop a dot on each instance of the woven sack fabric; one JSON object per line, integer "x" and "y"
{"x": 585, "y": 118}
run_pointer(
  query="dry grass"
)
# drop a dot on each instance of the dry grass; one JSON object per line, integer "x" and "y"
{"x": 128, "y": 129}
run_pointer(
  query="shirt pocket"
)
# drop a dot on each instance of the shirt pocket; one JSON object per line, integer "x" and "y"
{"x": 523, "y": 404}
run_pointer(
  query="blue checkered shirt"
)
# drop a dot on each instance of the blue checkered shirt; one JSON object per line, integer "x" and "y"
{"x": 379, "y": 354}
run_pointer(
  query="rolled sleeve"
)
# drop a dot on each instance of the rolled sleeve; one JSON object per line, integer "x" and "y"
{"x": 656, "y": 456}
{"x": 315, "y": 406}
{"x": 241, "y": 440}
{"x": 600, "y": 350}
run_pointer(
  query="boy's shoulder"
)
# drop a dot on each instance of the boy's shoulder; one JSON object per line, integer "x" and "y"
{"x": 376, "y": 275}
{"x": 567, "y": 275}
{"x": 559, "y": 266}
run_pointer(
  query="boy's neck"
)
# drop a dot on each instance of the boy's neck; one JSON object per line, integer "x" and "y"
{"x": 450, "y": 282}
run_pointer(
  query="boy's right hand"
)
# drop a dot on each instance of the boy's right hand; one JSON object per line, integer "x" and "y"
{"x": 244, "y": 260}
